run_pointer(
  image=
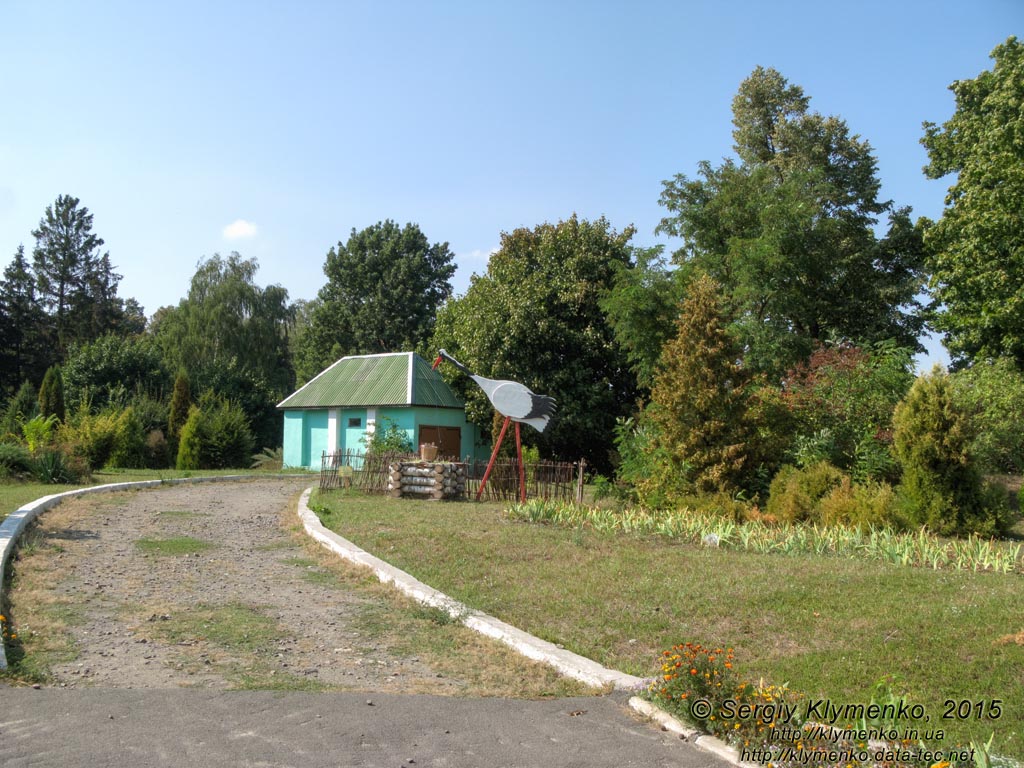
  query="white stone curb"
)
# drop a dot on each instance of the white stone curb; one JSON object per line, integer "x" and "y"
{"x": 566, "y": 662}
{"x": 15, "y": 523}
{"x": 704, "y": 741}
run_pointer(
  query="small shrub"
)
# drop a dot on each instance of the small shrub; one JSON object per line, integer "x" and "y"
{"x": 129, "y": 450}
{"x": 228, "y": 441}
{"x": 942, "y": 487}
{"x": 180, "y": 404}
{"x": 15, "y": 460}
{"x": 157, "y": 451}
{"x": 22, "y": 407}
{"x": 216, "y": 435}
{"x": 51, "y": 394}
{"x": 795, "y": 493}
{"x": 54, "y": 467}
{"x": 268, "y": 458}
{"x": 91, "y": 437}
{"x": 861, "y": 505}
{"x": 38, "y": 432}
{"x": 388, "y": 437}
{"x": 190, "y": 440}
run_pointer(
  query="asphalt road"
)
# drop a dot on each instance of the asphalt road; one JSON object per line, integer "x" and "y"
{"x": 206, "y": 729}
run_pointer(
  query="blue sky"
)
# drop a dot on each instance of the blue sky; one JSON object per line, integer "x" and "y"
{"x": 274, "y": 128}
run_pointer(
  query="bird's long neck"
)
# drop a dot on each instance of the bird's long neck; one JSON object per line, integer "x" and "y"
{"x": 455, "y": 362}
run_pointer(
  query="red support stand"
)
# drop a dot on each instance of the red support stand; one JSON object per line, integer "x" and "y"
{"x": 522, "y": 469}
{"x": 494, "y": 455}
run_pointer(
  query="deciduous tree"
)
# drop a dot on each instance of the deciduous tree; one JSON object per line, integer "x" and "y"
{"x": 231, "y": 335}
{"x": 535, "y": 317}
{"x": 977, "y": 247}
{"x": 384, "y": 287}
{"x": 787, "y": 230}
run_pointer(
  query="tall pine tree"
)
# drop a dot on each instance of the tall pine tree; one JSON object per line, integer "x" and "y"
{"x": 76, "y": 284}
{"x": 24, "y": 349}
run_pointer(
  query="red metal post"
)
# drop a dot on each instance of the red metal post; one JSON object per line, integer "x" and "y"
{"x": 522, "y": 469}
{"x": 494, "y": 455}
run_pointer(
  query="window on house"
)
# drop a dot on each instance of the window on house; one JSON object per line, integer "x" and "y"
{"x": 355, "y": 423}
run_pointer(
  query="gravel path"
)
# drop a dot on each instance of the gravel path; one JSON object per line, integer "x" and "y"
{"x": 257, "y": 606}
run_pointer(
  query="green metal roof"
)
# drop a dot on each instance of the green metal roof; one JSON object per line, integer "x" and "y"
{"x": 399, "y": 378}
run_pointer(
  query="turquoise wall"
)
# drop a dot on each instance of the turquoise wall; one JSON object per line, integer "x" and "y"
{"x": 305, "y": 432}
{"x": 293, "y": 429}
{"x": 305, "y": 438}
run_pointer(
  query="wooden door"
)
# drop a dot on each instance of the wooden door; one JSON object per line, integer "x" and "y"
{"x": 447, "y": 439}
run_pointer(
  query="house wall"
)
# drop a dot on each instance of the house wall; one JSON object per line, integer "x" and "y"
{"x": 308, "y": 433}
{"x": 410, "y": 419}
{"x": 305, "y": 438}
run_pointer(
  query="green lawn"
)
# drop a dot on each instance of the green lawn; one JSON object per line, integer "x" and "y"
{"x": 830, "y": 627}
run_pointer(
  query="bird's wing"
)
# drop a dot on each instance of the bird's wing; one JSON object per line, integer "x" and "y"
{"x": 543, "y": 406}
{"x": 511, "y": 398}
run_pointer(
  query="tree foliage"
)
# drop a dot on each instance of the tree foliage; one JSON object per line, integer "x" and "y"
{"x": 76, "y": 283}
{"x": 842, "y": 400}
{"x": 787, "y": 230}
{"x": 25, "y": 351}
{"x": 535, "y": 317}
{"x": 384, "y": 288}
{"x": 992, "y": 393}
{"x": 228, "y": 319}
{"x": 977, "y": 247}
{"x": 641, "y": 307}
{"x": 231, "y": 336}
{"x": 699, "y": 402}
{"x": 112, "y": 368}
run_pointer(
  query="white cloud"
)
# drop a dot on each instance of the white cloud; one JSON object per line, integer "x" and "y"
{"x": 240, "y": 229}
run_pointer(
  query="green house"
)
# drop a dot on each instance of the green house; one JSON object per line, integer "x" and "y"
{"x": 341, "y": 406}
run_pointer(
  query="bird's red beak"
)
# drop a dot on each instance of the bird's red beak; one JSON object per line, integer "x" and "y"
{"x": 437, "y": 362}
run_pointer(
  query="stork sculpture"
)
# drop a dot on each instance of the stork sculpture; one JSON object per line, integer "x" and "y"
{"x": 517, "y": 403}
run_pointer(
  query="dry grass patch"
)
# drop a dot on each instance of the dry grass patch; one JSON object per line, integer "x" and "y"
{"x": 484, "y": 667}
{"x": 41, "y": 617}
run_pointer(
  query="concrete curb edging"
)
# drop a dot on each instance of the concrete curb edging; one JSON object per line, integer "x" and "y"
{"x": 15, "y": 523}
{"x": 703, "y": 741}
{"x": 566, "y": 662}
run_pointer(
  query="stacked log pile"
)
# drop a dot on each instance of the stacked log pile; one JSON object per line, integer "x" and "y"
{"x": 427, "y": 480}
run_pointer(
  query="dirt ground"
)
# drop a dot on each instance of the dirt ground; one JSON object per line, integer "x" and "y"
{"x": 212, "y": 585}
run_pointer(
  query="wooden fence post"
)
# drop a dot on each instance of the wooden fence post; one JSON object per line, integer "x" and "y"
{"x": 579, "y": 482}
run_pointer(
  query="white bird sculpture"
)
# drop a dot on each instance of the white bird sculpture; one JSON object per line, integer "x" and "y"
{"x": 509, "y": 398}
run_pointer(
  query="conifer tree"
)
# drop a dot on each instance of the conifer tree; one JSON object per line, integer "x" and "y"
{"x": 51, "y": 394}
{"x": 698, "y": 402}
{"x": 942, "y": 487}
{"x": 181, "y": 400}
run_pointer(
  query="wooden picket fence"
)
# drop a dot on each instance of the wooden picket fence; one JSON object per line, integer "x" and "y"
{"x": 554, "y": 480}
{"x": 368, "y": 472}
